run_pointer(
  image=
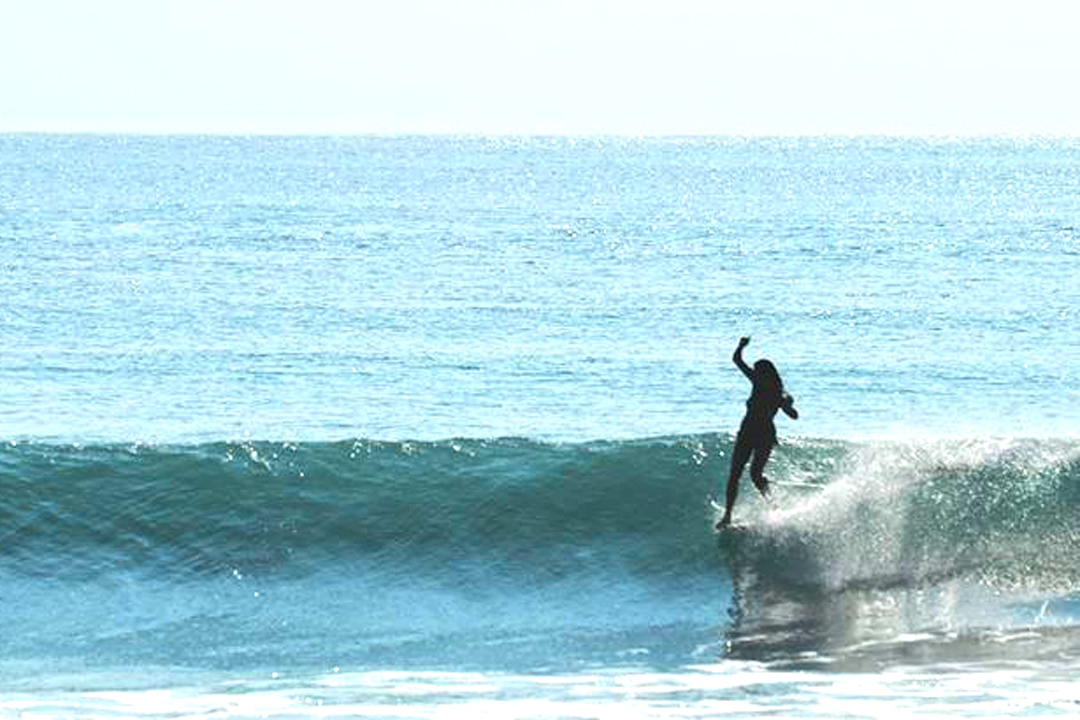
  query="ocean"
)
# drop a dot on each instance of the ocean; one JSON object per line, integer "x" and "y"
{"x": 427, "y": 427}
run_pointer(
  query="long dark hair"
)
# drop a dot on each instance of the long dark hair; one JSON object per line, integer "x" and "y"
{"x": 767, "y": 377}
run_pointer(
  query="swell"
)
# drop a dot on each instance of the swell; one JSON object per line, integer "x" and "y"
{"x": 506, "y": 505}
{"x": 868, "y": 513}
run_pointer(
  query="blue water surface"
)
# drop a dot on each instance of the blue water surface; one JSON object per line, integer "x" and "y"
{"x": 425, "y": 426}
{"x": 209, "y": 288}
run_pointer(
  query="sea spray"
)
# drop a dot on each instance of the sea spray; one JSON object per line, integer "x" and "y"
{"x": 916, "y": 512}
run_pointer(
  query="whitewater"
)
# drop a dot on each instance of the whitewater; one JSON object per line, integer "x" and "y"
{"x": 436, "y": 564}
{"x": 428, "y": 426}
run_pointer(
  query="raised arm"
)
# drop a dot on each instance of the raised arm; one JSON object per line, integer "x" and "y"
{"x": 739, "y": 362}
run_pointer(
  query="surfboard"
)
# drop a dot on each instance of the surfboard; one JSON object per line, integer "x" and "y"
{"x": 714, "y": 504}
{"x": 770, "y": 500}
{"x": 796, "y": 483}
{"x": 733, "y": 527}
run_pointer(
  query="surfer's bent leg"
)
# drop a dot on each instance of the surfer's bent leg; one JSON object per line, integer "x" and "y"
{"x": 757, "y": 468}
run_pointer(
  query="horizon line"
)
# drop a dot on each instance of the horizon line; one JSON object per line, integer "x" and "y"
{"x": 584, "y": 135}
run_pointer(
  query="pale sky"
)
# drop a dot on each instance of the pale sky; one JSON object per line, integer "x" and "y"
{"x": 758, "y": 67}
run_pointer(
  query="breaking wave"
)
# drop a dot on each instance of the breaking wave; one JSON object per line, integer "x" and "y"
{"x": 845, "y": 514}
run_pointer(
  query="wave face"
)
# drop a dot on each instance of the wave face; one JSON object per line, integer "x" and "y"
{"x": 865, "y": 513}
{"x": 504, "y": 506}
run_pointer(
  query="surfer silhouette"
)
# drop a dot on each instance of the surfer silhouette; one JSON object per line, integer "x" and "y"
{"x": 757, "y": 433}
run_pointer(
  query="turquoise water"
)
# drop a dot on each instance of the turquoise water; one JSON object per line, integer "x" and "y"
{"x": 201, "y": 289}
{"x": 423, "y": 426}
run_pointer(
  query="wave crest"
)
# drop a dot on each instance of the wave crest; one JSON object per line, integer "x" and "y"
{"x": 867, "y": 513}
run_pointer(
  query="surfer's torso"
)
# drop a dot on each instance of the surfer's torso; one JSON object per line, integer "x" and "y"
{"x": 761, "y": 407}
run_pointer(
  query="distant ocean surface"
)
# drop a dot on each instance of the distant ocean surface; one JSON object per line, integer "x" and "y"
{"x": 426, "y": 426}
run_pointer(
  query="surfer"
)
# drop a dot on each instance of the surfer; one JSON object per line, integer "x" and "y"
{"x": 757, "y": 433}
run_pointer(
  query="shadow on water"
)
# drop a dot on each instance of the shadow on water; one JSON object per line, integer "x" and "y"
{"x": 790, "y": 622}
{"x": 917, "y": 553}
